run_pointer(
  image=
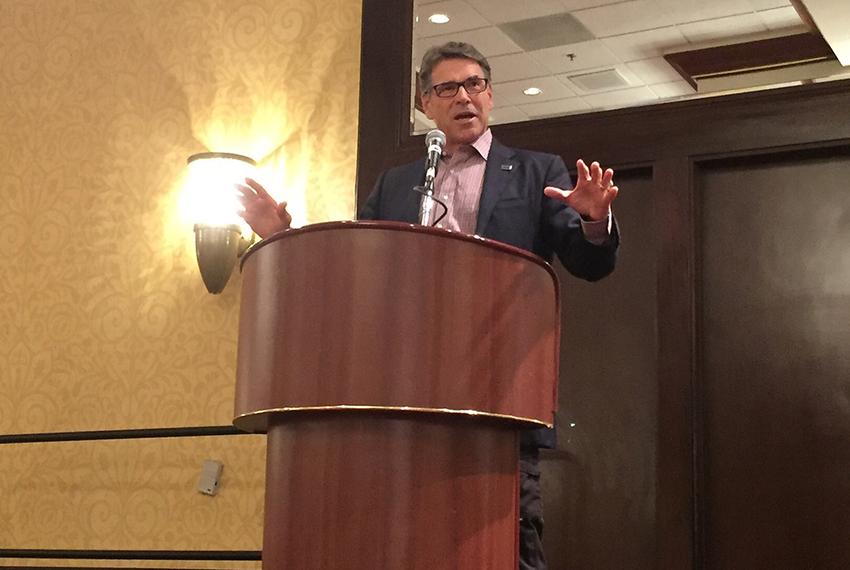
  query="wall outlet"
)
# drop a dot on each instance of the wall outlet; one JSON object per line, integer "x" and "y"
{"x": 210, "y": 477}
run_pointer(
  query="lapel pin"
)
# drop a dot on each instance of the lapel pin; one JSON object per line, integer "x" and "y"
{"x": 507, "y": 166}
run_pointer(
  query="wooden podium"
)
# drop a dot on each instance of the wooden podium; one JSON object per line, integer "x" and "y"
{"x": 392, "y": 367}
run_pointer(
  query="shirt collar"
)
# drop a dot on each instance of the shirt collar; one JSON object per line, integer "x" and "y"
{"x": 481, "y": 145}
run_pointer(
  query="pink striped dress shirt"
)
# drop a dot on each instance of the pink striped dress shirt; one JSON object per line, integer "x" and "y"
{"x": 459, "y": 181}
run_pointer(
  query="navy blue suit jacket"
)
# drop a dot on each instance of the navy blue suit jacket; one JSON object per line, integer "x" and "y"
{"x": 513, "y": 210}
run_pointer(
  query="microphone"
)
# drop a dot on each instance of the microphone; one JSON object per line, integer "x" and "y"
{"x": 435, "y": 140}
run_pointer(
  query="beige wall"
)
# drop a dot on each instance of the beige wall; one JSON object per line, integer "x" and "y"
{"x": 104, "y": 321}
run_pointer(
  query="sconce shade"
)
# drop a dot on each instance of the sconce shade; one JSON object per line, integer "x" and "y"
{"x": 221, "y": 235}
{"x": 217, "y": 248}
{"x": 211, "y": 179}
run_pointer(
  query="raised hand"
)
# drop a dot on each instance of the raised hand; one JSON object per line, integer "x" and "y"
{"x": 262, "y": 212}
{"x": 593, "y": 193}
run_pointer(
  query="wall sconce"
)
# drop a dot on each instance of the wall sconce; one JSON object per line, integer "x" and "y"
{"x": 221, "y": 235}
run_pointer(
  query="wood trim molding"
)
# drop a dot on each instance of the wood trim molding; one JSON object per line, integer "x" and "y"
{"x": 768, "y": 53}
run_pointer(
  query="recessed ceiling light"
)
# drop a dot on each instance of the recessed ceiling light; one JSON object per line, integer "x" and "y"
{"x": 438, "y": 18}
{"x": 533, "y": 91}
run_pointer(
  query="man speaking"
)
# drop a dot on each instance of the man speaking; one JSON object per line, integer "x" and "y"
{"x": 522, "y": 198}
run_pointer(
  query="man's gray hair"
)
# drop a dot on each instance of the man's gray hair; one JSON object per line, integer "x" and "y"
{"x": 449, "y": 50}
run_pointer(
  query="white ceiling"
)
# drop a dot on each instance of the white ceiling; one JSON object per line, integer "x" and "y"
{"x": 627, "y": 36}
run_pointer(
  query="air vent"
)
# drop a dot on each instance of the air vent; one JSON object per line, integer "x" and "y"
{"x": 546, "y": 32}
{"x": 600, "y": 80}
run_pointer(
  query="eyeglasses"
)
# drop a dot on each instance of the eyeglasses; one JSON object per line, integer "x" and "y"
{"x": 472, "y": 85}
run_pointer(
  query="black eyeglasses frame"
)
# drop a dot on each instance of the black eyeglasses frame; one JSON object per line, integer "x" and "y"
{"x": 449, "y": 89}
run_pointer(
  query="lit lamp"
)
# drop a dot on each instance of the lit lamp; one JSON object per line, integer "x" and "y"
{"x": 221, "y": 235}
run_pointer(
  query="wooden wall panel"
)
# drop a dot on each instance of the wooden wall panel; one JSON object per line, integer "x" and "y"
{"x": 775, "y": 339}
{"x": 681, "y": 143}
{"x": 599, "y": 487}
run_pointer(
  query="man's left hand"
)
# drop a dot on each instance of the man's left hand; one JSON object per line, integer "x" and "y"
{"x": 593, "y": 193}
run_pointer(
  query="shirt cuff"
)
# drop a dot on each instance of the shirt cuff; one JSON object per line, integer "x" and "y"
{"x": 598, "y": 232}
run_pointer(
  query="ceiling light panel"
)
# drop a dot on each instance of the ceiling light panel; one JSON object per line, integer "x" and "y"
{"x": 548, "y": 31}
{"x": 602, "y": 80}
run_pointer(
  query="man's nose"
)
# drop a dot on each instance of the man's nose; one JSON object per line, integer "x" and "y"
{"x": 462, "y": 94}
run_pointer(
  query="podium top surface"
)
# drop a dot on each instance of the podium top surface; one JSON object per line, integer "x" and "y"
{"x": 372, "y": 225}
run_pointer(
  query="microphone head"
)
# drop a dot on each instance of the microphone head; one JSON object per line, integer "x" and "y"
{"x": 435, "y": 136}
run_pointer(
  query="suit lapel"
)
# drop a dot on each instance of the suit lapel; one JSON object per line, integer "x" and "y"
{"x": 498, "y": 172}
{"x": 415, "y": 177}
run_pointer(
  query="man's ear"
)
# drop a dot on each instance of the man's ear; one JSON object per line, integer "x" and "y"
{"x": 426, "y": 105}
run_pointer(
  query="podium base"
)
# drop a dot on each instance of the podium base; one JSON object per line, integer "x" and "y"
{"x": 380, "y": 491}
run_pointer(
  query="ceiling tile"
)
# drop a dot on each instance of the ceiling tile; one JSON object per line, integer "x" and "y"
{"x": 546, "y": 31}
{"x": 629, "y": 76}
{"x": 573, "y": 5}
{"x": 635, "y": 31}
{"x": 512, "y": 92}
{"x": 673, "y": 89}
{"x": 832, "y": 18}
{"x": 622, "y": 98}
{"x": 501, "y": 11}
{"x": 517, "y": 66}
{"x": 654, "y": 70}
{"x": 767, "y": 4}
{"x": 586, "y": 55}
{"x": 781, "y": 18}
{"x": 507, "y": 114}
{"x": 623, "y": 18}
{"x": 643, "y": 45}
{"x": 730, "y": 27}
{"x": 489, "y": 41}
{"x": 462, "y": 17}
{"x": 555, "y": 108}
{"x": 684, "y": 11}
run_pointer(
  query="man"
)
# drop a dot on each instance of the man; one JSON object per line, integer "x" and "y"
{"x": 510, "y": 195}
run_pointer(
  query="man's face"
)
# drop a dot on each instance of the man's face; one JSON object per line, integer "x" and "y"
{"x": 463, "y": 117}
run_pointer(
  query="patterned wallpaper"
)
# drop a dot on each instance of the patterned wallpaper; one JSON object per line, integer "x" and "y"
{"x": 123, "y": 494}
{"x": 104, "y": 320}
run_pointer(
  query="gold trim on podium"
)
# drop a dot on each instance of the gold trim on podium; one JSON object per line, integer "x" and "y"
{"x": 257, "y": 422}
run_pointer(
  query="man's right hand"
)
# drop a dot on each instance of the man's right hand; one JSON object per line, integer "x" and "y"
{"x": 262, "y": 212}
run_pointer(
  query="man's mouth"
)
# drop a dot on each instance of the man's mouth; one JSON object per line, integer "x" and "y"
{"x": 465, "y": 116}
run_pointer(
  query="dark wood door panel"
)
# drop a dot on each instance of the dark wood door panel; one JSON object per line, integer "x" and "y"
{"x": 775, "y": 362}
{"x": 599, "y": 488}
